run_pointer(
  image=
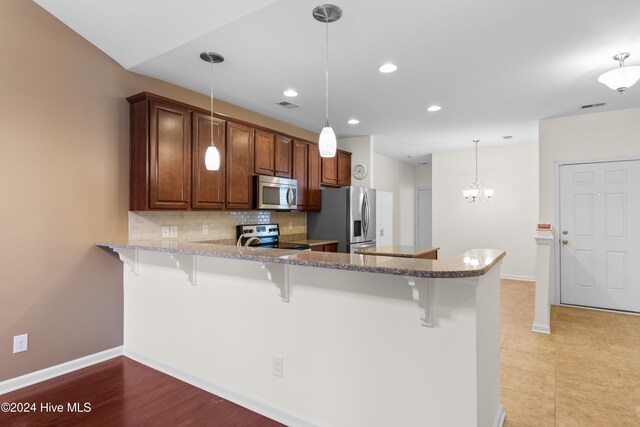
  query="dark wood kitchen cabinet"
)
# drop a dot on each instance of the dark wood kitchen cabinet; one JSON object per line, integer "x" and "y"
{"x": 239, "y": 166}
{"x": 208, "y": 187}
{"x": 272, "y": 154}
{"x": 313, "y": 178}
{"x": 160, "y": 154}
{"x": 306, "y": 170}
{"x": 300, "y": 167}
{"x": 336, "y": 171}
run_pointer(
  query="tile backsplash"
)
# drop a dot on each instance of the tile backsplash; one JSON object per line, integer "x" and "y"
{"x": 221, "y": 225}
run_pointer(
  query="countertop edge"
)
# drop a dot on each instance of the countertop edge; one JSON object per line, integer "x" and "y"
{"x": 280, "y": 256}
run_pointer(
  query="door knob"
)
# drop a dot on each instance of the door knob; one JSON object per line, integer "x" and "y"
{"x": 564, "y": 242}
{"x": 565, "y": 232}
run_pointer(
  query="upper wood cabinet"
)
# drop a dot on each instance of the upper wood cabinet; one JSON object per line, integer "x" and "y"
{"x": 160, "y": 155}
{"x": 239, "y": 166}
{"x": 313, "y": 178}
{"x": 208, "y": 187}
{"x": 336, "y": 171}
{"x": 300, "y": 162}
{"x": 344, "y": 167}
{"x": 272, "y": 154}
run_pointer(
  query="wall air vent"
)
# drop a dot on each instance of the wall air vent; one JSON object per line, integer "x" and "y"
{"x": 288, "y": 105}
{"x": 599, "y": 104}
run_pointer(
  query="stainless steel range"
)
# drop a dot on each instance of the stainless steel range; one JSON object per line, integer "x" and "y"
{"x": 265, "y": 236}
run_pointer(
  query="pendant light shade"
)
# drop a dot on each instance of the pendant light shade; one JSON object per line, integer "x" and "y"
{"x": 212, "y": 158}
{"x": 621, "y": 78}
{"x": 326, "y": 14}
{"x": 327, "y": 142}
{"x": 212, "y": 155}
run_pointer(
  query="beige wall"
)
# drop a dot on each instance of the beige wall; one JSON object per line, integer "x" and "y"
{"x": 507, "y": 221}
{"x": 64, "y": 183}
{"x": 361, "y": 149}
{"x": 422, "y": 176}
{"x": 396, "y": 177}
{"x": 597, "y": 136}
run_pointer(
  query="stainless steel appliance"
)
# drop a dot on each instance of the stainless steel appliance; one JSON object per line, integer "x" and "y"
{"x": 275, "y": 193}
{"x": 348, "y": 215}
{"x": 268, "y": 236}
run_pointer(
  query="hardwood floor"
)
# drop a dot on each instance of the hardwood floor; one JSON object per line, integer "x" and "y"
{"x": 586, "y": 373}
{"x": 121, "y": 392}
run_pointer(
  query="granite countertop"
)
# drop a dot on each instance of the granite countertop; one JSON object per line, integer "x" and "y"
{"x": 472, "y": 263}
{"x": 397, "y": 251}
{"x": 313, "y": 242}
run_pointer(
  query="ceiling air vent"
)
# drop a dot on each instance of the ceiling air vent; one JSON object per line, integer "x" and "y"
{"x": 599, "y": 104}
{"x": 288, "y": 105}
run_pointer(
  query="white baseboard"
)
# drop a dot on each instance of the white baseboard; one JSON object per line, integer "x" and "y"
{"x": 500, "y": 416}
{"x": 541, "y": 329}
{"x": 250, "y": 402}
{"x": 57, "y": 370}
{"x": 517, "y": 277}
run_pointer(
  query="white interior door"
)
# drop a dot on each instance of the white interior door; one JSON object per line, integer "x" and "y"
{"x": 384, "y": 218}
{"x": 600, "y": 235}
{"x": 423, "y": 218}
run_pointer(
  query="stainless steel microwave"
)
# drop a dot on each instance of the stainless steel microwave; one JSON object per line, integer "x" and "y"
{"x": 276, "y": 193}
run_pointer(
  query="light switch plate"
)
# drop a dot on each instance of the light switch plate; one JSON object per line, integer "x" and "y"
{"x": 165, "y": 232}
{"x": 173, "y": 231}
{"x": 20, "y": 343}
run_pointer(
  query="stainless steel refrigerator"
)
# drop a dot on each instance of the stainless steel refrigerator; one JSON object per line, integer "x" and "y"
{"x": 348, "y": 215}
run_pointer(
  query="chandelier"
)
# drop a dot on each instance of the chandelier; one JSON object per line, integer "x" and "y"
{"x": 476, "y": 191}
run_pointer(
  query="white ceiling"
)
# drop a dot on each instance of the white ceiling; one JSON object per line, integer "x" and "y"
{"x": 496, "y": 66}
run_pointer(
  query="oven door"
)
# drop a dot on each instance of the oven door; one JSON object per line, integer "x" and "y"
{"x": 276, "y": 193}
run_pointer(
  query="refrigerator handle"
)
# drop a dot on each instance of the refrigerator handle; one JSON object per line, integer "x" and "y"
{"x": 365, "y": 214}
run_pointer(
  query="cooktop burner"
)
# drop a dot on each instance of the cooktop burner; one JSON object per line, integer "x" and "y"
{"x": 268, "y": 235}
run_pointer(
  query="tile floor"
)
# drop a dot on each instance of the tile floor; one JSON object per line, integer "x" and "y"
{"x": 586, "y": 373}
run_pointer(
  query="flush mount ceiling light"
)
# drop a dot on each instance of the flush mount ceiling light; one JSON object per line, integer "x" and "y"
{"x": 388, "y": 68}
{"x": 621, "y": 78}
{"x": 434, "y": 108}
{"x": 327, "y": 13}
{"x": 353, "y": 121}
{"x": 290, "y": 93}
{"x": 476, "y": 191}
{"x": 212, "y": 155}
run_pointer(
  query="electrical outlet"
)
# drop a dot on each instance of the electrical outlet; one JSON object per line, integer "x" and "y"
{"x": 21, "y": 343}
{"x": 165, "y": 232}
{"x": 205, "y": 229}
{"x": 290, "y": 225}
{"x": 173, "y": 231}
{"x": 278, "y": 362}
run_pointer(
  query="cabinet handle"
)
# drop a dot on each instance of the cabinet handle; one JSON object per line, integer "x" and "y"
{"x": 564, "y": 242}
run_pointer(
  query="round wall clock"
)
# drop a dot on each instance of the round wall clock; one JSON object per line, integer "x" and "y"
{"x": 360, "y": 171}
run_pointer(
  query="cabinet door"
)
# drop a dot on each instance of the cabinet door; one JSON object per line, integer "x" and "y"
{"x": 239, "y": 166}
{"x": 331, "y": 247}
{"x": 300, "y": 154}
{"x": 208, "y": 189}
{"x": 329, "y": 171}
{"x": 344, "y": 168}
{"x": 283, "y": 156}
{"x": 313, "y": 178}
{"x": 264, "y": 152}
{"x": 169, "y": 155}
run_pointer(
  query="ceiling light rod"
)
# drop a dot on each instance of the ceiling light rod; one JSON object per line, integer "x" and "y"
{"x": 212, "y": 155}
{"x": 327, "y": 13}
{"x": 476, "y": 191}
{"x": 623, "y": 77}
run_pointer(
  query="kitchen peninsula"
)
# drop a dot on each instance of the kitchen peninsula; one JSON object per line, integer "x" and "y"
{"x": 319, "y": 338}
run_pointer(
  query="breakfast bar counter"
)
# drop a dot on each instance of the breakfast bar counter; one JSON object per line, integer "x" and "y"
{"x": 317, "y": 338}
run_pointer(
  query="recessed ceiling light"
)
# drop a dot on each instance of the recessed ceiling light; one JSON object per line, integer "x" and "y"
{"x": 353, "y": 121}
{"x": 388, "y": 68}
{"x": 290, "y": 93}
{"x": 434, "y": 108}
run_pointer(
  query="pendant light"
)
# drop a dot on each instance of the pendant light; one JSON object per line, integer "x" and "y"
{"x": 621, "y": 78}
{"x": 212, "y": 155}
{"x": 327, "y": 13}
{"x": 476, "y": 191}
